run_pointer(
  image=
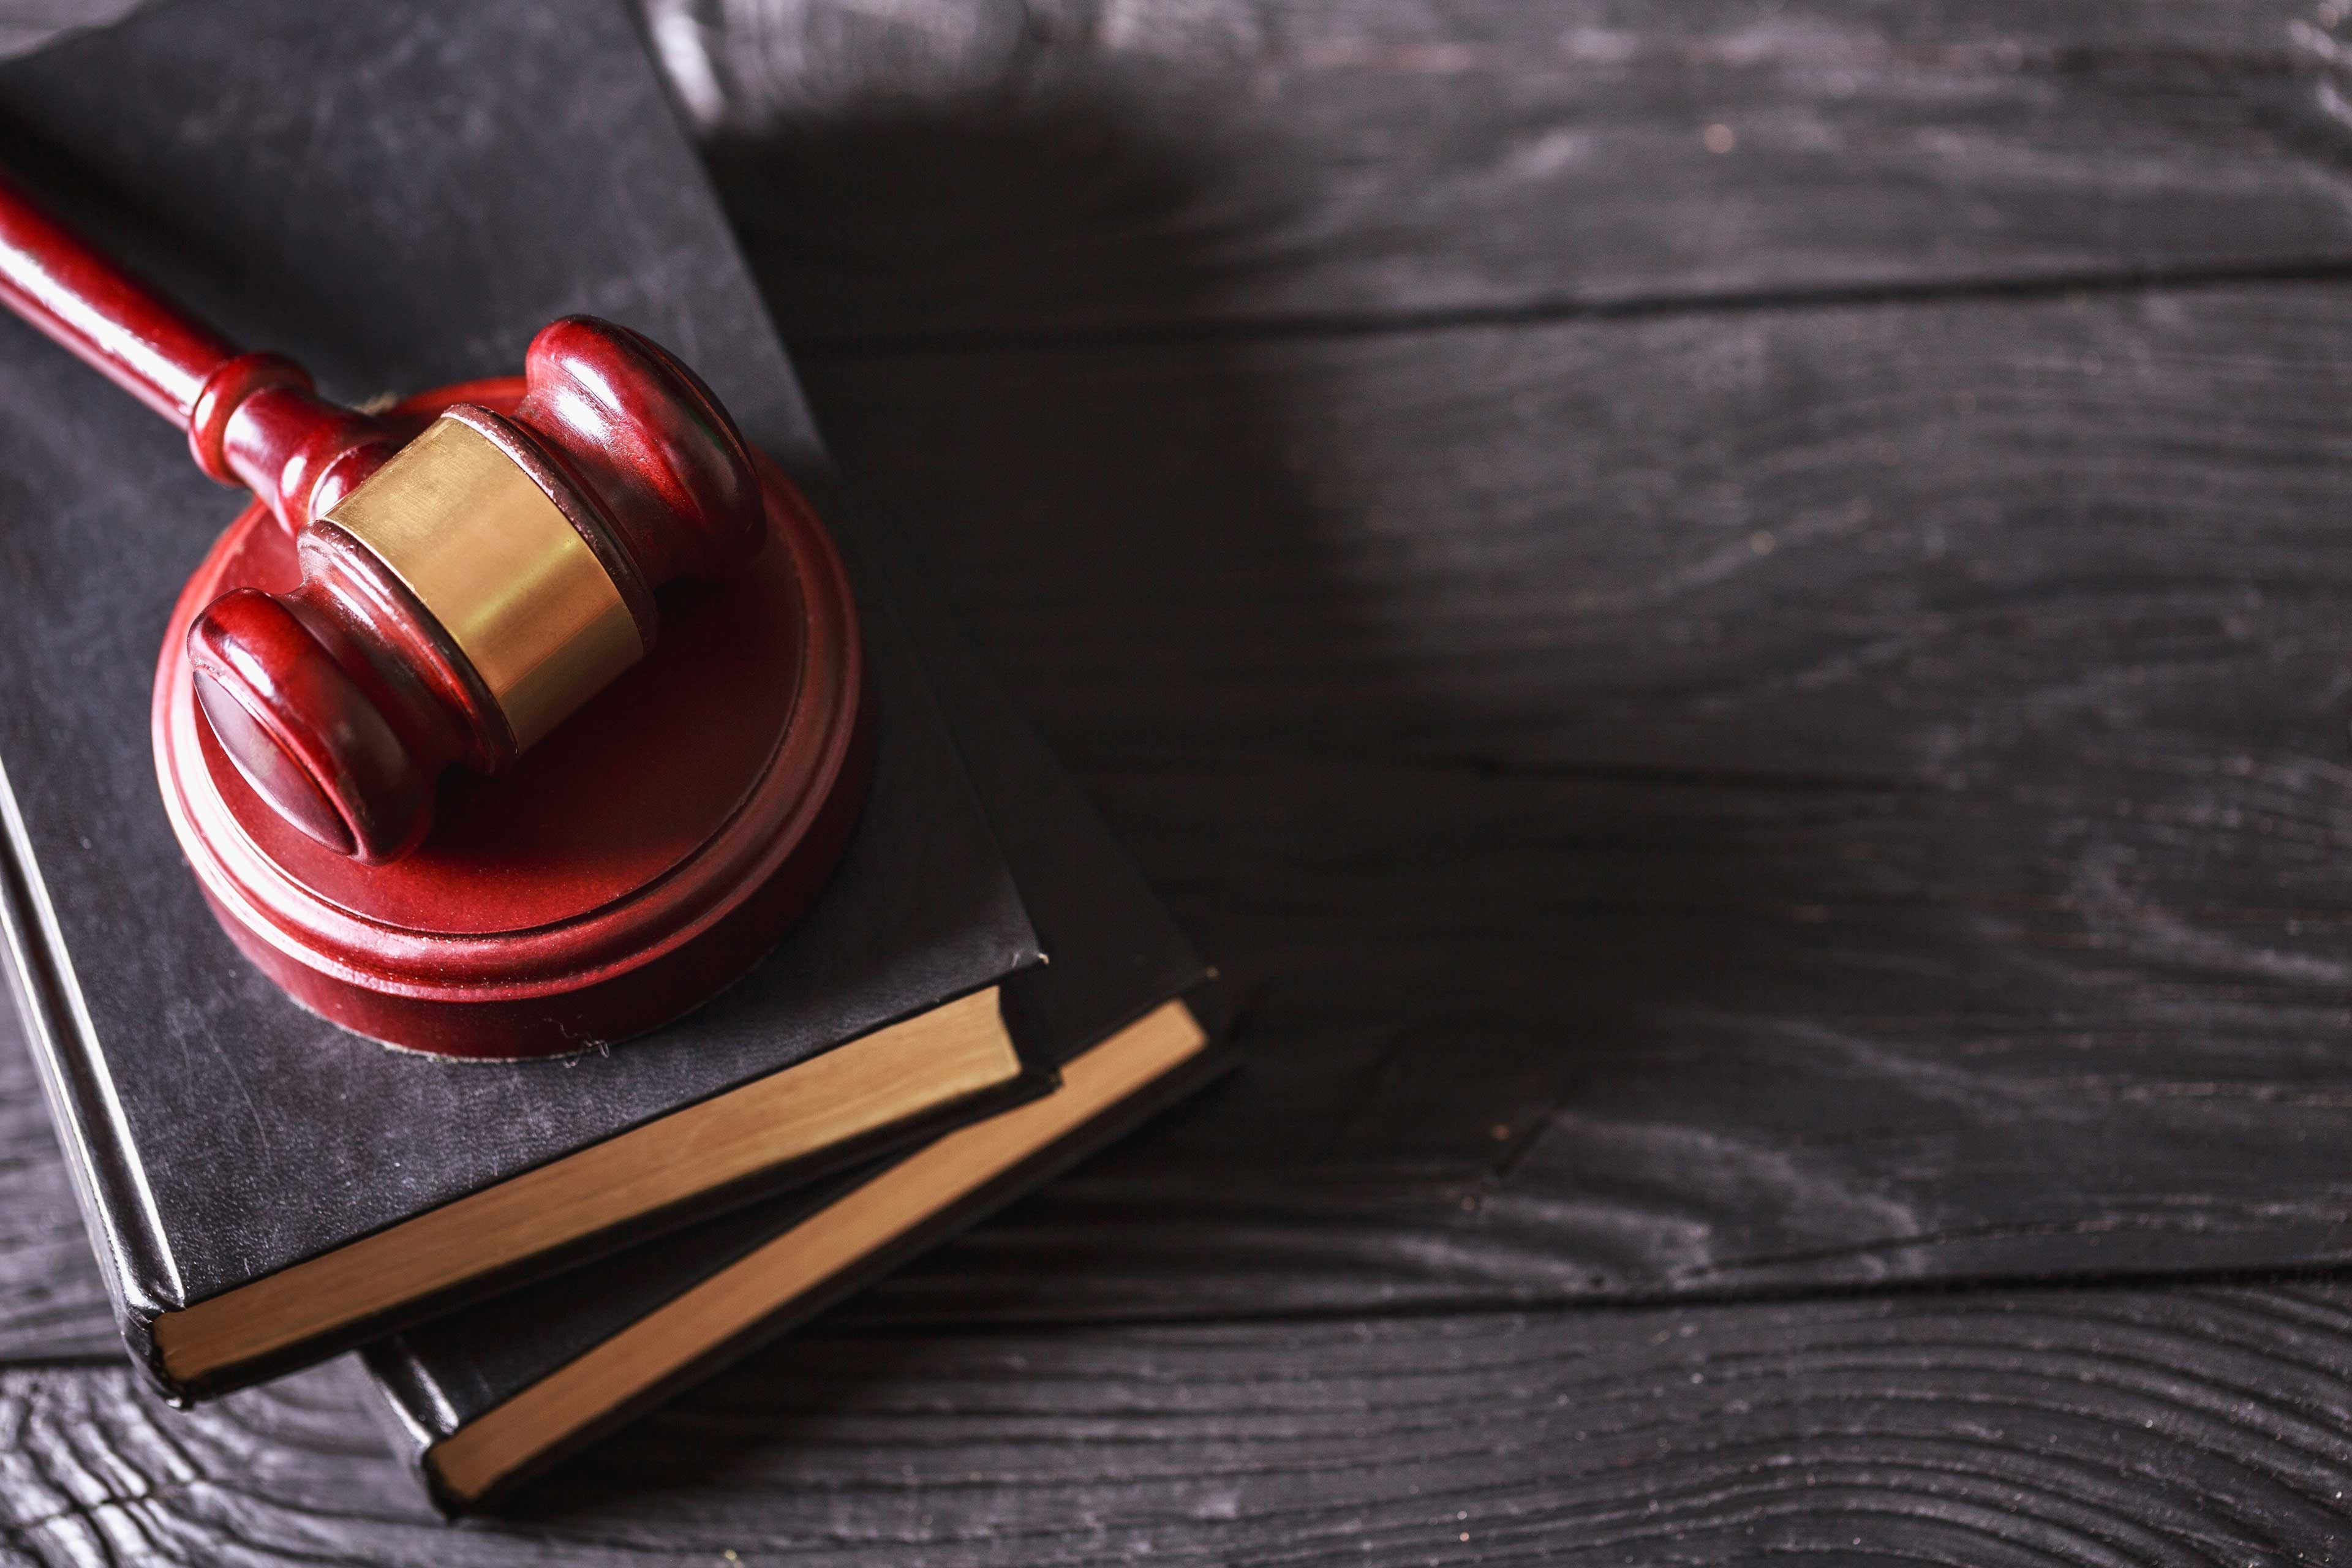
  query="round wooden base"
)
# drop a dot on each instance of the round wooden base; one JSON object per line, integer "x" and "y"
{"x": 638, "y": 859}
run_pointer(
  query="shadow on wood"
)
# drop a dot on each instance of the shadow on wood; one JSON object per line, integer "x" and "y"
{"x": 1170, "y": 545}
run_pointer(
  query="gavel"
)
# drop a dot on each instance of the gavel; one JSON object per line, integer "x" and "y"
{"x": 463, "y": 591}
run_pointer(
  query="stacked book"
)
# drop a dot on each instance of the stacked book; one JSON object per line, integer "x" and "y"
{"x": 523, "y": 1253}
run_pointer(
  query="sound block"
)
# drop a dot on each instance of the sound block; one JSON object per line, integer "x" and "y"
{"x": 632, "y": 864}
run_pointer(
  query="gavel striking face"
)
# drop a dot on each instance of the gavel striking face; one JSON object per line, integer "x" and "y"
{"x": 463, "y": 594}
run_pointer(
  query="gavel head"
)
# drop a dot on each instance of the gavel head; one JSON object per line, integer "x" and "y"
{"x": 482, "y": 583}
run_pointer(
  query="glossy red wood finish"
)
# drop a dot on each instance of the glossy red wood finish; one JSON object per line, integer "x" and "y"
{"x": 251, "y": 418}
{"x": 256, "y": 423}
{"x": 642, "y": 857}
{"x": 656, "y": 453}
{"x": 343, "y": 699}
{"x": 141, "y": 341}
{"x": 646, "y": 854}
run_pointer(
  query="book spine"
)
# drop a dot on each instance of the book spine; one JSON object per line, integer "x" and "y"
{"x": 410, "y": 1406}
{"x": 116, "y": 1208}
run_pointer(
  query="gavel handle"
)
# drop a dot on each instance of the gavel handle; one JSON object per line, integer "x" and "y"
{"x": 138, "y": 339}
{"x": 251, "y": 419}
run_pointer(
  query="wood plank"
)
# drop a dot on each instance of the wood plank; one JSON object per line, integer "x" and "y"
{"x": 942, "y": 170}
{"x": 1520, "y": 1040}
{"x": 2085, "y": 1427}
{"x": 1911, "y": 545}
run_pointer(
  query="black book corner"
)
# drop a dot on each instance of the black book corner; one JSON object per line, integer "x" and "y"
{"x": 521, "y": 162}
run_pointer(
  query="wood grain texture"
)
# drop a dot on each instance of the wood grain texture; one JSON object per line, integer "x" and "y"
{"x": 1876, "y": 546}
{"x": 985, "y": 171}
{"x": 2087, "y": 1427}
{"x": 1796, "y": 797}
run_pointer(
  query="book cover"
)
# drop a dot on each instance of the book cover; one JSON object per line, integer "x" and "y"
{"x": 398, "y": 196}
{"x": 481, "y": 1400}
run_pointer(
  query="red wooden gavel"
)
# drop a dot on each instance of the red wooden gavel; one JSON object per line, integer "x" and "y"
{"x": 460, "y": 594}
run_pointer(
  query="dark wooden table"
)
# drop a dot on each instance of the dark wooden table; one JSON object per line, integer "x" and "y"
{"x": 1733, "y": 620}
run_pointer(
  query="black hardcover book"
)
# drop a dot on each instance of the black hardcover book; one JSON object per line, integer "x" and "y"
{"x": 399, "y": 196}
{"x": 482, "y": 1399}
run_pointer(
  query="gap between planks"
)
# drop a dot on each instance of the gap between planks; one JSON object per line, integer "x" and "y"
{"x": 1296, "y": 327}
